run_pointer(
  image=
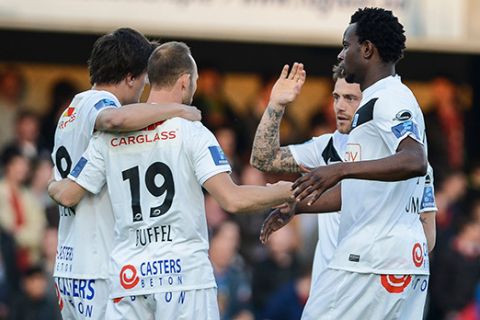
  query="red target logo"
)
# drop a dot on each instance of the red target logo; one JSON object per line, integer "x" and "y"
{"x": 417, "y": 255}
{"x": 128, "y": 276}
{"x": 59, "y": 298}
{"x": 395, "y": 284}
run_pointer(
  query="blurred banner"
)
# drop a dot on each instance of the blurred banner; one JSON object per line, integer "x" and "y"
{"x": 431, "y": 24}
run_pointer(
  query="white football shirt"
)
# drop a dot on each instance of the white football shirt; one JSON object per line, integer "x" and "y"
{"x": 154, "y": 179}
{"x": 379, "y": 232}
{"x": 85, "y": 233}
{"x": 320, "y": 151}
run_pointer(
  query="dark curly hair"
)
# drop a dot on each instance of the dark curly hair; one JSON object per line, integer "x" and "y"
{"x": 117, "y": 54}
{"x": 382, "y": 28}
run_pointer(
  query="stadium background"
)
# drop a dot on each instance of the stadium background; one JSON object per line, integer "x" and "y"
{"x": 240, "y": 47}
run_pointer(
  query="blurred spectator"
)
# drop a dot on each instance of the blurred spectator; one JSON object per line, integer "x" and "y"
{"x": 227, "y": 138}
{"x": 12, "y": 88}
{"x": 279, "y": 267}
{"x": 34, "y": 302}
{"x": 319, "y": 124}
{"x": 451, "y": 208}
{"x": 250, "y": 224}
{"x": 21, "y": 214}
{"x": 9, "y": 278}
{"x": 445, "y": 127}
{"x": 61, "y": 94}
{"x": 49, "y": 249}
{"x": 27, "y": 133}
{"x": 215, "y": 214}
{"x": 41, "y": 174}
{"x": 209, "y": 97}
{"x": 457, "y": 272}
{"x": 288, "y": 302}
{"x": 234, "y": 291}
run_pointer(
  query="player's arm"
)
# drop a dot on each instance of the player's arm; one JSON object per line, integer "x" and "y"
{"x": 328, "y": 202}
{"x": 137, "y": 116}
{"x": 428, "y": 223}
{"x": 239, "y": 199}
{"x": 409, "y": 161}
{"x": 66, "y": 192}
{"x": 267, "y": 154}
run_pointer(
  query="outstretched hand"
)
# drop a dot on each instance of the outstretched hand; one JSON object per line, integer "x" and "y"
{"x": 316, "y": 182}
{"x": 277, "y": 218}
{"x": 288, "y": 85}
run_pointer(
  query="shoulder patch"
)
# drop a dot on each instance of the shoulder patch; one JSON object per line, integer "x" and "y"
{"x": 218, "y": 156}
{"x": 403, "y": 115}
{"x": 79, "y": 167}
{"x": 364, "y": 113}
{"x": 330, "y": 154}
{"x": 105, "y": 103}
{"x": 405, "y": 127}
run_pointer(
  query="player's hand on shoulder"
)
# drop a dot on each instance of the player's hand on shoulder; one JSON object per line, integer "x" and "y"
{"x": 277, "y": 218}
{"x": 191, "y": 113}
{"x": 288, "y": 85}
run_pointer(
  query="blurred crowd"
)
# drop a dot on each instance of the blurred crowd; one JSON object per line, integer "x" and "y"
{"x": 255, "y": 281}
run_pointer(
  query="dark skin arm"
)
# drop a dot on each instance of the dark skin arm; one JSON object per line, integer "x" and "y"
{"x": 330, "y": 201}
{"x": 408, "y": 162}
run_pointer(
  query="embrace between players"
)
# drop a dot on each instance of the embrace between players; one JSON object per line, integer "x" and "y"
{"x": 136, "y": 232}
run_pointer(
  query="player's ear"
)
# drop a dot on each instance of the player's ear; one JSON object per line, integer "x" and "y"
{"x": 367, "y": 49}
{"x": 185, "y": 81}
{"x": 129, "y": 80}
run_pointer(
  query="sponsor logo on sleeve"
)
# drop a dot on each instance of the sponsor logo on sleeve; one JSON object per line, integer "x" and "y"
{"x": 428, "y": 199}
{"x": 395, "y": 283}
{"x": 218, "y": 156}
{"x": 404, "y": 128}
{"x": 105, "y": 103}
{"x": 79, "y": 167}
{"x": 68, "y": 116}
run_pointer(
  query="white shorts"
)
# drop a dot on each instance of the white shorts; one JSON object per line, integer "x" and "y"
{"x": 82, "y": 298}
{"x": 190, "y": 304}
{"x": 350, "y": 295}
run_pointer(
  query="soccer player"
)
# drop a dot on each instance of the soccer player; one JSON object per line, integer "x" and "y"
{"x": 117, "y": 65}
{"x": 380, "y": 267}
{"x": 159, "y": 264}
{"x": 267, "y": 155}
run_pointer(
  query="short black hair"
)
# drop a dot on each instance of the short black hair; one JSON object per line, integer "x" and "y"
{"x": 9, "y": 154}
{"x": 168, "y": 62}
{"x": 383, "y": 29}
{"x": 117, "y": 54}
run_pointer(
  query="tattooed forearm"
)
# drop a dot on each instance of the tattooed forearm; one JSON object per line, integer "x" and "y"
{"x": 267, "y": 155}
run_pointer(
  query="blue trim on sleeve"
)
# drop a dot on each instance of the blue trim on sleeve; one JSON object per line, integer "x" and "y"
{"x": 79, "y": 167}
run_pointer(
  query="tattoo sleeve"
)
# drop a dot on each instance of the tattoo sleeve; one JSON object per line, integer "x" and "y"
{"x": 267, "y": 155}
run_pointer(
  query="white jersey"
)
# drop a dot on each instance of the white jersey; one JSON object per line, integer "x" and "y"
{"x": 427, "y": 200}
{"x": 380, "y": 231}
{"x": 154, "y": 179}
{"x": 85, "y": 233}
{"x": 320, "y": 151}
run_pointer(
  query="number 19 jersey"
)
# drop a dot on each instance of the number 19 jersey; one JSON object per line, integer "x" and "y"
{"x": 85, "y": 233}
{"x": 154, "y": 179}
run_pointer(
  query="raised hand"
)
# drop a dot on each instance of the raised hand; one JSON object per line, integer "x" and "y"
{"x": 277, "y": 218}
{"x": 316, "y": 182}
{"x": 288, "y": 85}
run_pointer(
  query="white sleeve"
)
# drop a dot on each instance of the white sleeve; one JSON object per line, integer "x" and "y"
{"x": 99, "y": 103}
{"x": 89, "y": 172}
{"x": 428, "y": 203}
{"x": 395, "y": 121}
{"x": 309, "y": 153}
{"x": 205, "y": 152}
